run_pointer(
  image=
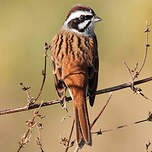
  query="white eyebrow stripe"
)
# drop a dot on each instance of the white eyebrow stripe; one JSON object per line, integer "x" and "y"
{"x": 76, "y": 14}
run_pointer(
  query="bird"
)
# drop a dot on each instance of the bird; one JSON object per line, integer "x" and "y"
{"x": 75, "y": 65}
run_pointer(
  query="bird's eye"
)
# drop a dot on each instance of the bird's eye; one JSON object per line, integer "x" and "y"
{"x": 82, "y": 17}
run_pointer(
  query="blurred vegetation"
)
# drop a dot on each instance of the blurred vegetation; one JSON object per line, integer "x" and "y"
{"x": 25, "y": 26}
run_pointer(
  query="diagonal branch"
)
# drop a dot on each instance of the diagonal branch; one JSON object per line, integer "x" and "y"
{"x": 68, "y": 145}
{"x": 148, "y": 119}
{"x": 94, "y": 121}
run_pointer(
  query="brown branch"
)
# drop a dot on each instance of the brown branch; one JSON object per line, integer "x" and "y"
{"x": 123, "y": 86}
{"x": 38, "y": 138}
{"x": 94, "y": 121}
{"x": 26, "y": 108}
{"x": 53, "y": 102}
{"x": 107, "y": 130}
{"x": 25, "y": 139}
{"x": 134, "y": 73}
{"x": 31, "y": 100}
{"x": 147, "y": 45}
{"x": 123, "y": 126}
{"x": 28, "y": 94}
{"x": 68, "y": 144}
{"x": 47, "y": 46}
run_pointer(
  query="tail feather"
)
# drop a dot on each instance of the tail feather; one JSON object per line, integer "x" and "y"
{"x": 83, "y": 131}
{"x": 78, "y": 128}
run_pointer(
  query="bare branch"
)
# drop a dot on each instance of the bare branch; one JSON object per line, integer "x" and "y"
{"x": 53, "y": 102}
{"x": 68, "y": 144}
{"x": 135, "y": 72}
{"x": 26, "y": 108}
{"x": 147, "y": 45}
{"x": 123, "y": 126}
{"x": 47, "y": 47}
{"x": 31, "y": 124}
{"x": 28, "y": 94}
{"x": 101, "y": 111}
{"x": 123, "y": 86}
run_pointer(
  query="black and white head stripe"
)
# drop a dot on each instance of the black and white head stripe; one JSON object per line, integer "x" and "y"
{"x": 79, "y": 19}
{"x": 77, "y": 15}
{"x": 79, "y": 8}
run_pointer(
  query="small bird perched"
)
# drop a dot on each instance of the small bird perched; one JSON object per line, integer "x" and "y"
{"x": 75, "y": 65}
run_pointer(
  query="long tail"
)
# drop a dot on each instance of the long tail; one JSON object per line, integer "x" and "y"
{"x": 83, "y": 130}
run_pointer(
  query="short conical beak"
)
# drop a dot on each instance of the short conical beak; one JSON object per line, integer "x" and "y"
{"x": 97, "y": 19}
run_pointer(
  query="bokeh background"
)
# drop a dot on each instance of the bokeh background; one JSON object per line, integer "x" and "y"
{"x": 24, "y": 27}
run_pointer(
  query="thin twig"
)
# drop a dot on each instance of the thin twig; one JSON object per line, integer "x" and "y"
{"x": 101, "y": 111}
{"x": 53, "y": 102}
{"x": 68, "y": 144}
{"x": 28, "y": 94}
{"x": 147, "y": 45}
{"x": 144, "y": 96}
{"x": 131, "y": 75}
{"x": 47, "y": 46}
{"x": 135, "y": 72}
{"x": 123, "y": 126}
{"x": 30, "y": 124}
{"x": 38, "y": 138}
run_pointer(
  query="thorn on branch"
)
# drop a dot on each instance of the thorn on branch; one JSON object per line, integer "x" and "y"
{"x": 150, "y": 117}
{"x": 43, "y": 73}
{"x": 147, "y": 27}
{"x": 97, "y": 132}
{"x": 137, "y": 90}
{"x": 123, "y": 126}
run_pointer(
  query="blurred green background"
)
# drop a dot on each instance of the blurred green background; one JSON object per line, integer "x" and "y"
{"x": 24, "y": 27}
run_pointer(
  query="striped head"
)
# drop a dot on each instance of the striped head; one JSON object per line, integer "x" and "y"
{"x": 81, "y": 19}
